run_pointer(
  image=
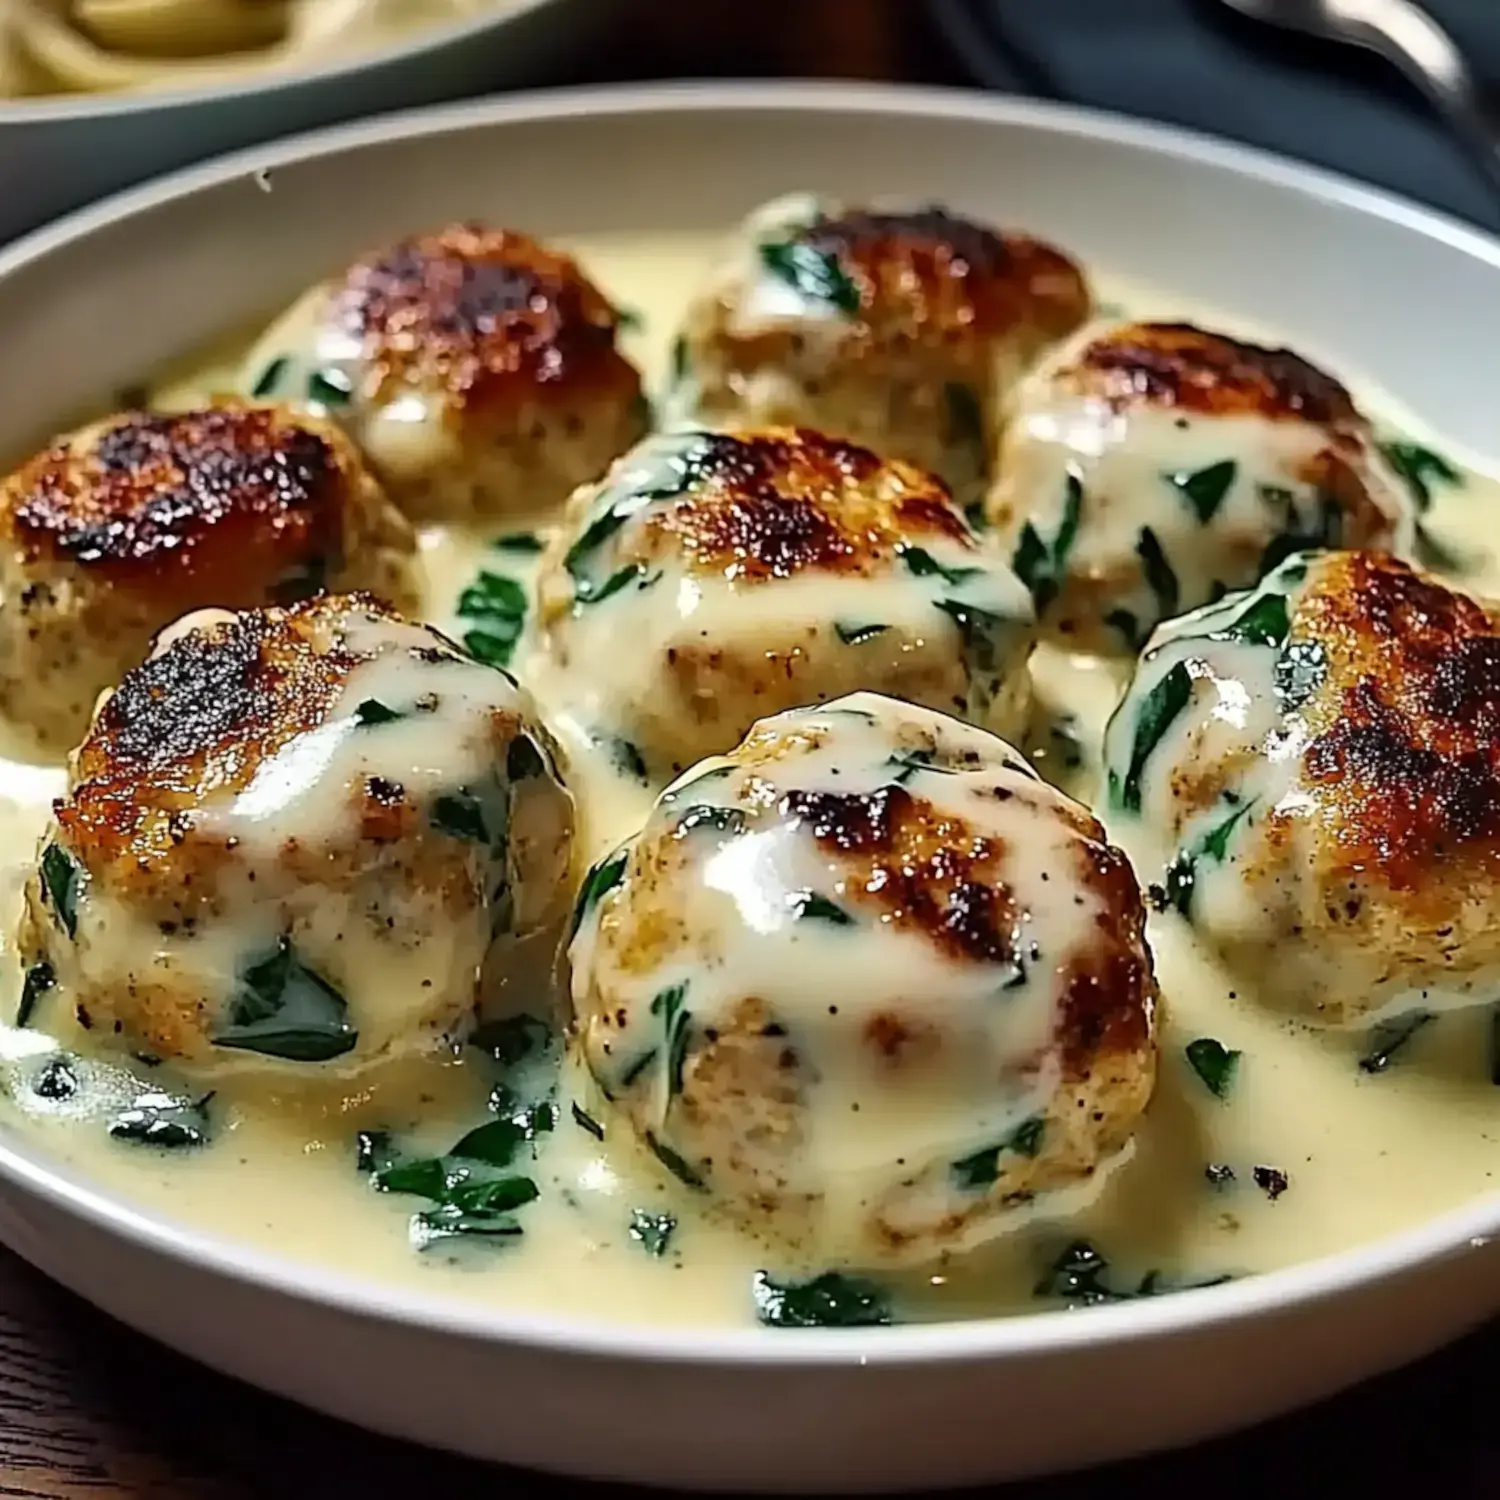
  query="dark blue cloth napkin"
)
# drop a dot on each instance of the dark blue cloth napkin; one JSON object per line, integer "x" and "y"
{"x": 1191, "y": 62}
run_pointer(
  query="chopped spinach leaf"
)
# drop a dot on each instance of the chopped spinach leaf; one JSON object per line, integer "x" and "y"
{"x": 675, "y": 1024}
{"x": 599, "y": 881}
{"x": 1128, "y": 628}
{"x": 40, "y": 978}
{"x": 160, "y": 1120}
{"x": 1040, "y": 567}
{"x": 373, "y": 1152}
{"x": 1159, "y": 575}
{"x": 652, "y": 1232}
{"x": 1205, "y": 489}
{"x": 1263, "y": 622}
{"x": 270, "y": 377}
{"x": 1182, "y": 874}
{"x": 975, "y": 516}
{"x": 1436, "y": 554}
{"x": 812, "y": 273}
{"x": 586, "y": 591}
{"x": 518, "y": 541}
{"x": 459, "y": 815}
{"x": 1389, "y": 1039}
{"x": 965, "y": 420}
{"x": 921, "y": 562}
{"x": 1215, "y": 1064}
{"x": 983, "y": 1167}
{"x": 1157, "y": 711}
{"x": 372, "y": 711}
{"x": 329, "y": 387}
{"x": 56, "y": 1081}
{"x": 451, "y": 1221}
{"x": 1272, "y": 1181}
{"x": 910, "y": 762}
{"x": 981, "y": 629}
{"x": 497, "y": 604}
{"x": 1421, "y": 467}
{"x": 630, "y": 319}
{"x": 852, "y": 635}
{"x": 60, "y": 877}
{"x": 1296, "y": 534}
{"x": 1078, "y": 1277}
{"x": 680, "y": 363}
{"x": 810, "y": 906}
{"x": 585, "y": 1121}
{"x": 639, "y": 1066}
{"x": 512, "y": 1039}
{"x": 832, "y": 1300}
{"x": 674, "y": 1163}
{"x": 283, "y": 1009}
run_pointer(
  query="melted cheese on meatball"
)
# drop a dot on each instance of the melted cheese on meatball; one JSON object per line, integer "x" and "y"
{"x": 1322, "y": 755}
{"x": 293, "y": 836}
{"x": 1147, "y": 468}
{"x": 871, "y": 981}
{"x": 752, "y": 571}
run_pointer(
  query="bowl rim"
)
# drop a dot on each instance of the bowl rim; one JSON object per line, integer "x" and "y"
{"x": 106, "y": 104}
{"x": 1469, "y": 1228}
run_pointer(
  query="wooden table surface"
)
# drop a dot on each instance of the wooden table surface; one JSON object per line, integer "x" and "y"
{"x": 88, "y": 1409}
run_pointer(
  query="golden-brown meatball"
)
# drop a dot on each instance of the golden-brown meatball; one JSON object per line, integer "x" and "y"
{"x": 476, "y": 368}
{"x": 1324, "y": 756}
{"x": 1147, "y": 468}
{"x": 870, "y": 983}
{"x": 901, "y": 330}
{"x": 292, "y": 837}
{"x": 127, "y": 523}
{"x": 713, "y": 578}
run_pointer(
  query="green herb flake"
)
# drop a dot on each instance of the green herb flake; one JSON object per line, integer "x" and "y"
{"x": 1160, "y": 576}
{"x": 675, "y": 1164}
{"x": 1265, "y": 621}
{"x": 982, "y": 631}
{"x": 983, "y": 1167}
{"x": 854, "y": 635}
{"x": 283, "y": 1009}
{"x": 164, "y": 1122}
{"x": 519, "y": 541}
{"x": 1182, "y": 874}
{"x": 1390, "y": 1038}
{"x": 585, "y": 1121}
{"x": 270, "y": 377}
{"x": 1215, "y": 1064}
{"x": 372, "y": 711}
{"x": 629, "y": 319}
{"x": 497, "y": 605}
{"x": 450, "y": 1221}
{"x": 1205, "y": 489}
{"x": 60, "y": 878}
{"x": 512, "y": 1039}
{"x": 1157, "y": 711}
{"x": 924, "y": 565}
{"x": 1079, "y": 1277}
{"x": 586, "y": 591}
{"x": 1421, "y": 468}
{"x": 598, "y": 883}
{"x": 810, "y": 906}
{"x": 679, "y": 360}
{"x": 812, "y": 273}
{"x": 652, "y": 1232}
{"x": 1041, "y": 567}
{"x": 459, "y": 815}
{"x": 832, "y": 1300}
{"x": 329, "y": 387}
{"x": 40, "y": 978}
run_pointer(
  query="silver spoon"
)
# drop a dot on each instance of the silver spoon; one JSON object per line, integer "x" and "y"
{"x": 1403, "y": 33}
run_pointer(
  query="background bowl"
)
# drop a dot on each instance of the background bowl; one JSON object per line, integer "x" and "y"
{"x": 91, "y": 304}
{"x": 60, "y": 151}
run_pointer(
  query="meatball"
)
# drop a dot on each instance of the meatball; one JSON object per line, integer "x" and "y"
{"x": 476, "y": 368}
{"x": 120, "y": 527}
{"x": 870, "y": 983}
{"x": 1147, "y": 468}
{"x": 290, "y": 838}
{"x": 1323, "y": 756}
{"x": 901, "y": 330}
{"x": 752, "y": 571}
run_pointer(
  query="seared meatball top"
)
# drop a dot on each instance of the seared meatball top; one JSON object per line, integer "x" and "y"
{"x": 487, "y": 316}
{"x": 228, "y": 496}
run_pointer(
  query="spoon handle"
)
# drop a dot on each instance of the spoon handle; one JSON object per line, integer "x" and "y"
{"x": 1407, "y": 36}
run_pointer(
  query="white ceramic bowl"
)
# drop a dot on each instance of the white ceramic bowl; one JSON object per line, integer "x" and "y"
{"x": 1412, "y": 299}
{"x": 59, "y": 152}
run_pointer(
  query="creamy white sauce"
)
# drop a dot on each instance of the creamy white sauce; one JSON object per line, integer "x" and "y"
{"x": 1363, "y": 1154}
